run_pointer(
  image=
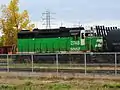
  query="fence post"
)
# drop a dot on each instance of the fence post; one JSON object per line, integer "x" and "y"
{"x": 115, "y": 64}
{"x": 8, "y": 63}
{"x": 32, "y": 63}
{"x": 57, "y": 64}
{"x": 85, "y": 63}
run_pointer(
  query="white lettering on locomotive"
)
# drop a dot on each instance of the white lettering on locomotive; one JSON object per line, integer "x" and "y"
{"x": 99, "y": 40}
{"x": 75, "y": 49}
{"x": 75, "y": 42}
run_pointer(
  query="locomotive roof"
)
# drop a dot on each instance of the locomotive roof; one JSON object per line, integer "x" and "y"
{"x": 56, "y": 30}
{"x": 50, "y": 33}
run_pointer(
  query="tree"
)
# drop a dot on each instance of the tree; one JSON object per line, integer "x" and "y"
{"x": 1, "y": 41}
{"x": 12, "y": 21}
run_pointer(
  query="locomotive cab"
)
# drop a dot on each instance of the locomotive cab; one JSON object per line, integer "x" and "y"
{"x": 87, "y": 33}
{"x": 84, "y": 34}
{"x": 89, "y": 41}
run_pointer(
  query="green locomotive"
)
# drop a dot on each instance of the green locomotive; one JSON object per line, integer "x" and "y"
{"x": 62, "y": 40}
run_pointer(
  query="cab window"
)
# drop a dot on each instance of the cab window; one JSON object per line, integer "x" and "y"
{"x": 82, "y": 36}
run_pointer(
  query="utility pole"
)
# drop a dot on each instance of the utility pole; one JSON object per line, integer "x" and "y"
{"x": 47, "y": 18}
{"x": 61, "y": 24}
{"x": 79, "y": 24}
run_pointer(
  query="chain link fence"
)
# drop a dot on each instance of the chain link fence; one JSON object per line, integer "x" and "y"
{"x": 87, "y": 63}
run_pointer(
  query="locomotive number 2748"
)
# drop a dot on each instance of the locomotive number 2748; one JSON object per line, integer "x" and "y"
{"x": 75, "y": 42}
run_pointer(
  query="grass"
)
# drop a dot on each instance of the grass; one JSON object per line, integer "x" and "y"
{"x": 8, "y": 82}
{"x": 112, "y": 86}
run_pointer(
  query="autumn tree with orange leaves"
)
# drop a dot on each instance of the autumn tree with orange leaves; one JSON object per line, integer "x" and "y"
{"x": 12, "y": 21}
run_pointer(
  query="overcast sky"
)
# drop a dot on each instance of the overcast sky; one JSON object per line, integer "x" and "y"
{"x": 73, "y": 11}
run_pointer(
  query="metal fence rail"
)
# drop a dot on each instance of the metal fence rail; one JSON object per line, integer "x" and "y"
{"x": 87, "y": 63}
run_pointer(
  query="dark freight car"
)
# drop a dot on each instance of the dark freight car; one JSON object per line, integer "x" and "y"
{"x": 113, "y": 40}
